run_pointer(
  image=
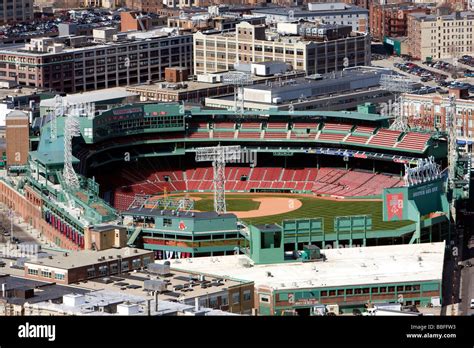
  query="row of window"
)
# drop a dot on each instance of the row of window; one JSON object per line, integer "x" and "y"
{"x": 373, "y": 290}
{"x": 46, "y": 274}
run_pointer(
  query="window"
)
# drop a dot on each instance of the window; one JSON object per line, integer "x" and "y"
{"x": 332, "y": 292}
{"x": 365, "y": 290}
{"x": 213, "y": 302}
{"x": 224, "y": 300}
{"x": 124, "y": 266}
{"x": 383, "y": 289}
{"x": 391, "y": 289}
{"x": 136, "y": 263}
{"x": 399, "y": 288}
{"x": 264, "y": 298}
{"x": 114, "y": 268}
{"x": 46, "y": 274}
{"x": 349, "y": 292}
{"x": 247, "y": 295}
{"x": 357, "y": 291}
{"x": 32, "y": 271}
{"x": 375, "y": 290}
{"x": 340, "y": 292}
{"x": 235, "y": 298}
{"x": 146, "y": 260}
{"x": 91, "y": 272}
{"x": 103, "y": 270}
{"x": 324, "y": 293}
{"x": 167, "y": 222}
{"x": 59, "y": 276}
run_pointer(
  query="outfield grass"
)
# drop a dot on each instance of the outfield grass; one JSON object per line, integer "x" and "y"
{"x": 314, "y": 207}
{"x": 311, "y": 208}
{"x": 244, "y": 204}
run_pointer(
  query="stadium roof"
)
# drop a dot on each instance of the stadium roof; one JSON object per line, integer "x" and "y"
{"x": 320, "y": 114}
{"x": 343, "y": 267}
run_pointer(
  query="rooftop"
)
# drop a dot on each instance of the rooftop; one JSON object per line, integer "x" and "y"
{"x": 181, "y": 285}
{"x": 197, "y": 85}
{"x": 43, "y": 291}
{"x": 450, "y": 17}
{"x": 91, "y": 97}
{"x": 91, "y": 302}
{"x": 301, "y": 12}
{"x": 84, "y": 258}
{"x": 343, "y": 267}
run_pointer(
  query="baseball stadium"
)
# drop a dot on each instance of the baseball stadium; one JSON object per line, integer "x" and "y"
{"x": 189, "y": 182}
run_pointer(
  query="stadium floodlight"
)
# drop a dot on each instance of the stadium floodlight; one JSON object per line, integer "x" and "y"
{"x": 239, "y": 80}
{"x": 396, "y": 83}
{"x": 71, "y": 129}
{"x": 56, "y": 113}
{"x": 219, "y": 155}
{"x": 451, "y": 127}
{"x": 426, "y": 170}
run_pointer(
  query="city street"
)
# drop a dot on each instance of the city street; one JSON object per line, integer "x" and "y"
{"x": 467, "y": 292}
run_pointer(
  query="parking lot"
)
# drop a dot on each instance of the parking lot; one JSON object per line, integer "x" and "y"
{"x": 435, "y": 76}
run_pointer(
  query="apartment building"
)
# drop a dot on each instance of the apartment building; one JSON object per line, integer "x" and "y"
{"x": 331, "y": 13}
{"x": 441, "y": 36}
{"x": 252, "y": 43}
{"x": 390, "y": 20}
{"x": 14, "y": 11}
{"x": 130, "y": 58}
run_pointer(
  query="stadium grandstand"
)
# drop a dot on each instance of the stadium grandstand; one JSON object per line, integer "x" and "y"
{"x": 132, "y": 160}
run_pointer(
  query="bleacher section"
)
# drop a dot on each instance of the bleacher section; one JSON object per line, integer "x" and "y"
{"x": 324, "y": 181}
{"x": 385, "y": 138}
{"x": 414, "y": 141}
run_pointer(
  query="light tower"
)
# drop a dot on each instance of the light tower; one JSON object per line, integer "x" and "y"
{"x": 219, "y": 155}
{"x": 397, "y": 84}
{"x": 239, "y": 80}
{"x": 55, "y": 114}
{"x": 451, "y": 128}
{"x": 71, "y": 129}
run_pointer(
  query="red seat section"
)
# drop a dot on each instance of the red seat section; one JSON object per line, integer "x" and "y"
{"x": 414, "y": 141}
{"x": 385, "y": 138}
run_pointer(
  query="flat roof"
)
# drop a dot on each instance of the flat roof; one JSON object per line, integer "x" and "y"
{"x": 299, "y": 12}
{"x": 100, "y": 298}
{"x": 43, "y": 291}
{"x": 343, "y": 267}
{"x": 348, "y": 76}
{"x": 75, "y": 259}
{"x": 198, "y": 85}
{"x": 92, "y": 96}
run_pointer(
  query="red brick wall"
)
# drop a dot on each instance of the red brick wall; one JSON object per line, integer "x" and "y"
{"x": 27, "y": 207}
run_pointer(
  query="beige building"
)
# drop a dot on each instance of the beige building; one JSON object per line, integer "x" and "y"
{"x": 252, "y": 43}
{"x": 440, "y": 37}
{"x": 16, "y": 11}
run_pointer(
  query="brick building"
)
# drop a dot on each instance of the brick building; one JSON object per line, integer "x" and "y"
{"x": 429, "y": 112}
{"x": 17, "y": 138}
{"x": 73, "y": 267}
{"x": 390, "y": 20}
{"x": 14, "y": 11}
{"x": 136, "y": 58}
